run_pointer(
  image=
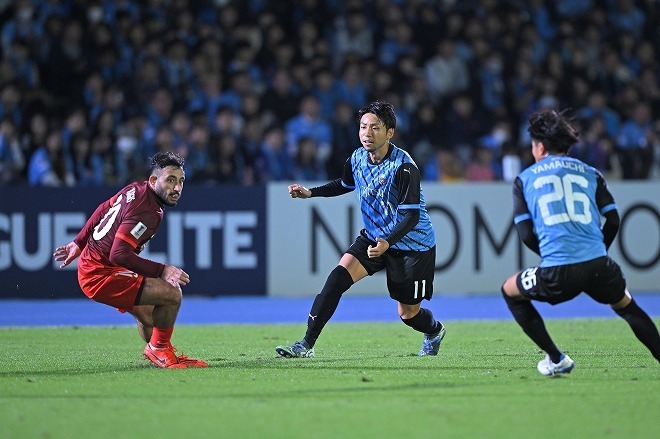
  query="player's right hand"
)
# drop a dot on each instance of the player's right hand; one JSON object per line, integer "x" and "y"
{"x": 298, "y": 191}
{"x": 175, "y": 276}
{"x": 67, "y": 253}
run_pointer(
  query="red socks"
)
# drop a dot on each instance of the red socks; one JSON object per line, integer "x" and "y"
{"x": 160, "y": 338}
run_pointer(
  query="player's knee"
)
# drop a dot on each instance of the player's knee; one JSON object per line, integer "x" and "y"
{"x": 338, "y": 282}
{"x": 407, "y": 312}
{"x": 173, "y": 295}
{"x": 510, "y": 288}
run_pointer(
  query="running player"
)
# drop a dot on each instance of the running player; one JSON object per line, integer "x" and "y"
{"x": 398, "y": 235}
{"x": 110, "y": 271}
{"x": 557, "y": 204}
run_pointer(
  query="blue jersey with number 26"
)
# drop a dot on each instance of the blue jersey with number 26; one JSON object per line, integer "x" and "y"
{"x": 562, "y": 196}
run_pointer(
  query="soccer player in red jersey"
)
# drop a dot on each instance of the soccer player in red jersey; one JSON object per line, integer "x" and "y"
{"x": 110, "y": 270}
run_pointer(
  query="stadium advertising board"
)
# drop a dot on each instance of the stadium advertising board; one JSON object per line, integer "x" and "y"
{"x": 478, "y": 246}
{"x": 216, "y": 234}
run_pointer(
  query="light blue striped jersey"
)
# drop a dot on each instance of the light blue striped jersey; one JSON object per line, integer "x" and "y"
{"x": 383, "y": 195}
{"x": 564, "y": 198}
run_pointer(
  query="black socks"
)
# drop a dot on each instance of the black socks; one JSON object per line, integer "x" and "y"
{"x": 532, "y": 324}
{"x": 326, "y": 302}
{"x": 642, "y": 326}
{"x": 424, "y": 322}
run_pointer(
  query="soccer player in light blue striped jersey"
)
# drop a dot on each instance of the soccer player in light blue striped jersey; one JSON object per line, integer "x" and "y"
{"x": 397, "y": 236}
{"x": 558, "y": 205}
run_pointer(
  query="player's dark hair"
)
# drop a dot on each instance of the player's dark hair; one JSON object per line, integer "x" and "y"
{"x": 384, "y": 111}
{"x": 161, "y": 160}
{"x": 553, "y": 129}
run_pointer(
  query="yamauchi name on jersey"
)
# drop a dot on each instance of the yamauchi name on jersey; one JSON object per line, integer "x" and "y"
{"x": 558, "y": 163}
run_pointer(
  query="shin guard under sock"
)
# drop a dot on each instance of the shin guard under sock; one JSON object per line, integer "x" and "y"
{"x": 532, "y": 324}
{"x": 643, "y": 327}
{"x": 326, "y": 302}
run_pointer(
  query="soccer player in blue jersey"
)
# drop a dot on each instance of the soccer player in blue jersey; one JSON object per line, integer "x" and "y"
{"x": 398, "y": 235}
{"x": 558, "y": 203}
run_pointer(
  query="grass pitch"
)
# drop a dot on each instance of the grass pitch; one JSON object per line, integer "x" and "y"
{"x": 365, "y": 382}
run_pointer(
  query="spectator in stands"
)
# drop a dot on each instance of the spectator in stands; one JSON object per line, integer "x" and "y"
{"x": 480, "y": 168}
{"x": 325, "y": 91}
{"x": 307, "y": 167}
{"x": 199, "y": 165}
{"x": 635, "y": 143}
{"x": 425, "y": 133}
{"x": 10, "y": 104}
{"x": 12, "y": 159}
{"x": 344, "y": 133}
{"x": 309, "y": 123}
{"x": 273, "y": 162}
{"x": 597, "y": 107}
{"x": 280, "y": 99}
{"x": 446, "y": 73}
{"x": 50, "y": 165}
{"x": 87, "y": 166}
{"x": 463, "y": 127}
{"x": 124, "y": 56}
{"x": 351, "y": 87}
{"x": 228, "y": 162}
{"x": 23, "y": 66}
{"x": 398, "y": 42}
{"x": 353, "y": 35}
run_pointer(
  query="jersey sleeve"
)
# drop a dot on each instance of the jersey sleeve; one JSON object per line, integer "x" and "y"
{"x": 604, "y": 198}
{"x": 607, "y": 208}
{"x": 340, "y": 186}
{"x": 134, "y": 231}
{"x": 408, "y": 181}
{"x": 520, "y": 210}
{"x": 124, "y": 255}
{"x": 523, "y": 219}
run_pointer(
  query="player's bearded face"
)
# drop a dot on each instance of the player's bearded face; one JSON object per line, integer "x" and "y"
{"x": 168, "y": 185}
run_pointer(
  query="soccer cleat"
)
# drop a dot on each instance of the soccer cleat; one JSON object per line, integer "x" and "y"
{"x": 431, "y": 343}
{"x": 296, "y": 350}
{"x": 189, "y": 362}
{"x": 548, "y": 368}
{"x": 165, "y": 358}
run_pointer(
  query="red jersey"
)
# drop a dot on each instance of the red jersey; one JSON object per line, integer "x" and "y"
{"x": 118, "y": 229}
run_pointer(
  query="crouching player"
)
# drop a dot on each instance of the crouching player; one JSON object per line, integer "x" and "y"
{"x": 110, "y": 271}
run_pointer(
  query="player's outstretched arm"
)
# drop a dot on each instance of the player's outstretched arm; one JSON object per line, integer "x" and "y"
{"x": 67, "y": 253}
{"x": 298, "y": 191}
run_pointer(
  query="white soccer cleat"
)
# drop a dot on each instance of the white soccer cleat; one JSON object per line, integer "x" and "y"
{"x": 548, "y": 368}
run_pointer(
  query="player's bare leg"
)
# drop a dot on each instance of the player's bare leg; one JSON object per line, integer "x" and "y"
{"x": 145, "y": 324}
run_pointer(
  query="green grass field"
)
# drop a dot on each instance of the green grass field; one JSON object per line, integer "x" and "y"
{"x": 365, "y": 382}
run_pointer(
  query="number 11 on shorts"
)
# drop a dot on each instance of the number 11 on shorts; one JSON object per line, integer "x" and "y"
{"x": 417, "y": 289}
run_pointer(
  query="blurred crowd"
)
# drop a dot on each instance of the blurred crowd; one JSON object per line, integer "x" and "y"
{"x": 251, "y": 91}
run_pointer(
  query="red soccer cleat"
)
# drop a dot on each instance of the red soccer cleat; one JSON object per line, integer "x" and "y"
{"x": 165, "y": 358}
{"x": 189, "y": 362}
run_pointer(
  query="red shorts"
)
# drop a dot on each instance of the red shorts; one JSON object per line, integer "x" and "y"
{"x": 114, "y": 286}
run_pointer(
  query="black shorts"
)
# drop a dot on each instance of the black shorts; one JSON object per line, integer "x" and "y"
{"x": 409, "y": 274}
{"x": 600, "y": 278}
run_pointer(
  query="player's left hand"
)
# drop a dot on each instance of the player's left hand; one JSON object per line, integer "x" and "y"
{"x": 67, "y": 253}
{"x": 381, "y": 247}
